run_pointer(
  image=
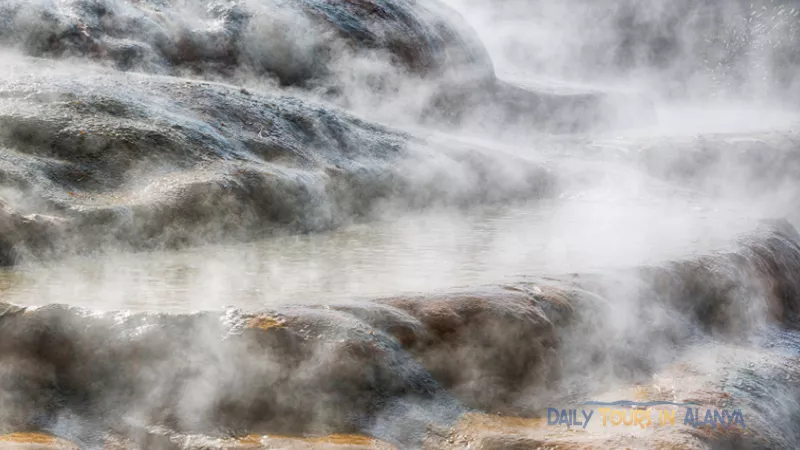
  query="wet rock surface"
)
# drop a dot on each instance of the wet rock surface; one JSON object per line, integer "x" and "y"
{"x": 167, "y": 161}
{"x": 404, "y": 370}
{"x": 221, "y": 38}
{"x": 693, "y": 378}
{"x": 377, "y": 45}
{"x": 127, "y": 125}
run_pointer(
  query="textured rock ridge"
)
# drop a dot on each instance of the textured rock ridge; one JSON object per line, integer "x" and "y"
{"x": 396, "y": 368}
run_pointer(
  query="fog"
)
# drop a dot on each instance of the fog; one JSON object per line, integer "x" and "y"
{"x": 310, "y": 217}
{"x": 676, "y": 49}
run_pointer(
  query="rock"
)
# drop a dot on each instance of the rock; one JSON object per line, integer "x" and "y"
{"x": 257, "y": 442}
{"x": 359, "y": 50}
{"x": 161, "y": 170}
{"x": 498, "y": 107}
{"x": 765, "y": 414}
{"x": 210, "y": 373}
{"x": 217, "y": 37}
{"x": 471, "y": 341}
{"x": 405, "y": 370}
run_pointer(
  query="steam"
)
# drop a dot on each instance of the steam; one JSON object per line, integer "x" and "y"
{"x": 314, "y": 191}
{"x": 676, "y": 49}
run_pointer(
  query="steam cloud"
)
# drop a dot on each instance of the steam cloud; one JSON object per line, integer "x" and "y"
{"x": 596, "y": 174}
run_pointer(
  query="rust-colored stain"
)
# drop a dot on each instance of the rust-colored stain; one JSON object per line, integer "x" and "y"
{"x": 333, "y": 439}
{"x": 719, "y": 434}
{"x": 492, "y": 422}
{"x": 29, "y": 438}
{"x": 344, "y": 439}
{"x": 252, "y": 439}
{"x": 265, "y": 323}
{"x": 37, "y": 439}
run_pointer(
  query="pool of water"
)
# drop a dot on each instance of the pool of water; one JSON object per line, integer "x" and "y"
{"x": 415, "y": 253}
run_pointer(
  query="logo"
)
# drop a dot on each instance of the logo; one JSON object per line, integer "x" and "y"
{"x": 644, "y": 414}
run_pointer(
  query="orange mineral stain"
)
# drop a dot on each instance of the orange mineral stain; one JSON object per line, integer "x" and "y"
{"x": 492, "y": 422}
{"x": 343, "y": 439}
{"x": 265, "y": 323}
{"x": 36, "y": 439}
{"x": 28, "y": 438}
{"x": 332, "y": 439}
